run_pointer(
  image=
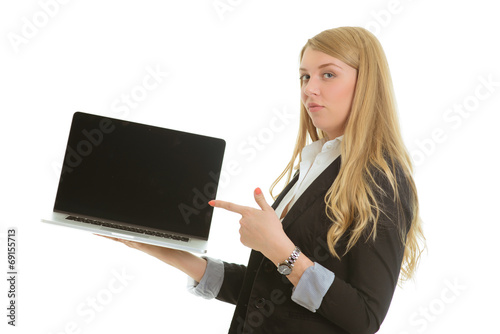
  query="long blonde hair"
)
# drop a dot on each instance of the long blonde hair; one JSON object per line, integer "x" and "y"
{"x": 372, "y": 141}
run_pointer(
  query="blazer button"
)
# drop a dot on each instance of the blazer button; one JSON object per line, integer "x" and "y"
{"x": 260, "y": 303}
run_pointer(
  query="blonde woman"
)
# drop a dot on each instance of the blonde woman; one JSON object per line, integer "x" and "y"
{"x": 328, "y": 254}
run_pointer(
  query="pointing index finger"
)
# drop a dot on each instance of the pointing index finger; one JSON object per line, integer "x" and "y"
{"x": 228, "y": 206}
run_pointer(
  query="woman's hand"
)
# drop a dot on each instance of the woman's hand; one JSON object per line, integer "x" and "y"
{"x": 260, "y": 230}
{"x": 153, "y": 250}
{"x": 131, "y": 244}
{"x": 190, "y": 264}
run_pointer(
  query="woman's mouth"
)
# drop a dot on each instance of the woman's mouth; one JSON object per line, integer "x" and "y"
{"x": 313, "y": 107}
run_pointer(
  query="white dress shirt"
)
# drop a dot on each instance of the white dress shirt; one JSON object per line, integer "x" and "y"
{"x": 316, "y": 157}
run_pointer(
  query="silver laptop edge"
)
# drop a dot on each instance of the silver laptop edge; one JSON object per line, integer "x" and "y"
{"x": 193, "y": 245}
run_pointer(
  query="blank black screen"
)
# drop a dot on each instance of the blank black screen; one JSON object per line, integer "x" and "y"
{"x": 140, "y": 174}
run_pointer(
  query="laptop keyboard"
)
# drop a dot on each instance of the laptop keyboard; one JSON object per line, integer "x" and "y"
{"x": 127, "y": 228}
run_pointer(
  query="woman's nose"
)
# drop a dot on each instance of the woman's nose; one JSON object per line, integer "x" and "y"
{"x": 311, "y": 87}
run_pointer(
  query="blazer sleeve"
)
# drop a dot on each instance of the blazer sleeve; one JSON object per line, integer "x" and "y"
{"x": 359, "y": 302}
{"x": 234, "y": 275}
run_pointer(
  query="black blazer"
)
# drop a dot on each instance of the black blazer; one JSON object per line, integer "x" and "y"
{"x": 365, "y": 278}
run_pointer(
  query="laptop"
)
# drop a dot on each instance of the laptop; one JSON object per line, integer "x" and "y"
{"x": 138, "y": 182}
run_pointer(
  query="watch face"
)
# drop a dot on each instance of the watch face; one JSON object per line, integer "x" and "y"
{"x": 283, "y": 269}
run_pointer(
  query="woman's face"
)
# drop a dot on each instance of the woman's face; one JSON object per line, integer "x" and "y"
{"x": 327, "y": 90}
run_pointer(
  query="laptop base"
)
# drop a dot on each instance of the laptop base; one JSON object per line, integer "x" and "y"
{"x": 193, "y": 245}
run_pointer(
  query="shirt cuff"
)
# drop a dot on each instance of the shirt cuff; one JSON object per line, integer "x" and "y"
{"x": 312, "y": 287}
{"x": 211, "y": 282}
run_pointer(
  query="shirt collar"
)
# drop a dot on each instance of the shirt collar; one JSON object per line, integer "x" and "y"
{"x": 309, "y": 152}
{"x": 331, "y": 144}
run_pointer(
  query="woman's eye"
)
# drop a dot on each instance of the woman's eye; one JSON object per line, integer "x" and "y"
{"x": 329, "y": 75}
{"x": 304, "y": 77}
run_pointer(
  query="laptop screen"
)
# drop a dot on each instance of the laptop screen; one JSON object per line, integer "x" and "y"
{"x": 139, "y": 174}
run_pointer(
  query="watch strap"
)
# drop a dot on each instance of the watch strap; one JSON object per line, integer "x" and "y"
{"x": 294, "y": 256}
{"x": 289, "y": 262}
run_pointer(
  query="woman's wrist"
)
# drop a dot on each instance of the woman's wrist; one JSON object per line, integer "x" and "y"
{"x": 299, "y": 267}
{"x": 186, "y": 262}
{"x": 281, "y": 250}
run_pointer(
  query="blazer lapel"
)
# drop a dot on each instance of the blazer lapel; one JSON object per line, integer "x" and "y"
{"x": 318, "y": 188}
{"x": 285, "y": 191}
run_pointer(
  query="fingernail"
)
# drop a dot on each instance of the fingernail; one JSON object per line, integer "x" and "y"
{"x": 258, "y": 191}
{"x": 211, "y": 203}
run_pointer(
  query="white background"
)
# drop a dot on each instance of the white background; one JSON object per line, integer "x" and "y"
{"x": 229, "y": 72}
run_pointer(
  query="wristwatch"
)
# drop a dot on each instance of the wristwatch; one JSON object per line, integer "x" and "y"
{"x": 285, "y": 267}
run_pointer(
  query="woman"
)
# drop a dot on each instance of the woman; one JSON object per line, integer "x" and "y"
{"x": 328, "y": 253}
